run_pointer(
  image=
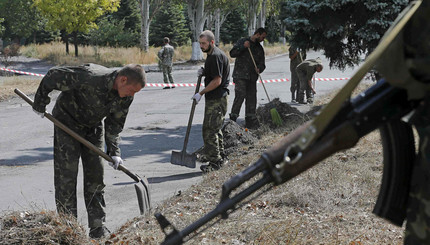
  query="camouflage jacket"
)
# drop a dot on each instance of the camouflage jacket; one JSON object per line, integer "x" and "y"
{"x": 243, "y": 66}
{"x": 87, "y": 97}
{"x": 307, "y": 68}
{"x": 298, "y": 59}
{"x": 166, "y": 55}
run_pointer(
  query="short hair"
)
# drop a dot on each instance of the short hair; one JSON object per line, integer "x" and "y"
{"x": 134, "y": 73}
{"x": 208, "y": 34}
{"x": 260, "y": 30}
{"x": 166, "y": 40}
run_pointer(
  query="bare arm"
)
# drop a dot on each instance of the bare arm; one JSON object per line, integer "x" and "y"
{"x": 212, "y": 85}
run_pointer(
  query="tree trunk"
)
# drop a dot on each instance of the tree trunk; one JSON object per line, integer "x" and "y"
{"x": 262, "y": 15}
{"x": 197, "y": 17}
{"x": 144, "y": 27}
{"x": 282, "y": 36}
{"x": 66, "y": 40}
{"x": 252, "y": 16}
{"x": 75, "y": 39}
{"x": 217, "y": 25}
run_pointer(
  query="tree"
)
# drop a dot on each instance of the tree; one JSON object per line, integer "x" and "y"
{"x": 1, "y": 26}
{"x": 197, "y": 16}
{"x": 170, "y": 22}
{"x": 73, "y": 16}
{"x": 128, "y": 12}
{"x": 112, "y": 32}
{"x": 344, "y": 30}
{"x": 148, "y": 9}
{"x": 217, "y": 12}
{"x": 234, "y": 27}
{"x": 21, "y": 20}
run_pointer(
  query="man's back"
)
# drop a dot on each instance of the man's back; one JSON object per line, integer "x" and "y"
{"x": 166, "y": 55}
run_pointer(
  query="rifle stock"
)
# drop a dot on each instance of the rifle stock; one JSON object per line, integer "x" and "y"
{"x": 378, "y": 106}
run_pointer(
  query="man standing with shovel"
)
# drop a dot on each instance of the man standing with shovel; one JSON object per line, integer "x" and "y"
{"x": 93, "y": 99}
{"x": 216, "y": 72}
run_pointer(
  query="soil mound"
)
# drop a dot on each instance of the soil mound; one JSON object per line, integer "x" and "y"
{"x": 288, "y": 114}
{"x": 234, "y": 136}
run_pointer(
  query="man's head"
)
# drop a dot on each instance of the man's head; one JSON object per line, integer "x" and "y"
{"x": 166, "y": 40}
{"x": 259, "y": 34}
{"x": 319, "y": 67}
{"x": 207, "y": 41}
{"x": 130, "y": 80}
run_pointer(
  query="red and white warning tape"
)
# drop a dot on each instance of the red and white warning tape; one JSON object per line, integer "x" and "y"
{"x": 22, "y": 72}
{"x": 187, "y": 84}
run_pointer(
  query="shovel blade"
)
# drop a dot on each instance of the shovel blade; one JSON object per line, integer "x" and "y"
{"x": 182, "y": 158}
{"x": 143, "y": 197}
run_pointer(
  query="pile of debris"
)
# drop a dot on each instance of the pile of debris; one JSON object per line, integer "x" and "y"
{"x": 289, "y": 115}
{"x": 235, "y": 136}
{"x": 44, "y": 227}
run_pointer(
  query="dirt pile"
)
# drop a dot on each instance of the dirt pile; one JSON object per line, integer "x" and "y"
{"x": 235, "y": 136}
{"x": 289, "y": 115}
{"x": 44, "y": 227}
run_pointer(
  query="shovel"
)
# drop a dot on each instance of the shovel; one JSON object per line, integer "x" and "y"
{"x": 142, "y": 190}
{"x": 182, "y": 158}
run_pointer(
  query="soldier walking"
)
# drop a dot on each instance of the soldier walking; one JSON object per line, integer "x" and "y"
{"x": 93, "y": 99}
{"x": 216, "y": 72}
{"x": 165, "y": 56}
{"x": 305, "y": 72}
{"x": 245, "y": 75}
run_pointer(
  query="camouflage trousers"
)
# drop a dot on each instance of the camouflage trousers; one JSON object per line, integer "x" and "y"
{"x": 67, "y": 152}
{"x": 295, "y": 84}
{"x": 167, "y": 73}
{"x": 304, "y": 89}
{"x": 418, "y": 211}
{"x": 213, "y": 121}
{"x": 245, "y": 90}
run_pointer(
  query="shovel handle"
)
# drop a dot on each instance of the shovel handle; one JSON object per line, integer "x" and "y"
{"x": 261, "y": 80}
{"x": 190, "y": 119}
{"x": 78, "y": 137}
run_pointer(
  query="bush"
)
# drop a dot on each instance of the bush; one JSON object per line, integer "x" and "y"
{"x": 112, "y": 33}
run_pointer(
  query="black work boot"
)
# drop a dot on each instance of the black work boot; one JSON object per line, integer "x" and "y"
{"x": 212, "y": 166}
{"x": 233, "y": 117}
{"x": 99, "y": 232}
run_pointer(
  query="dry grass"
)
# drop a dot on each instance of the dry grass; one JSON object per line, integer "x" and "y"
{"x": 27, "y": 84}
{"x": 55, "y": 52}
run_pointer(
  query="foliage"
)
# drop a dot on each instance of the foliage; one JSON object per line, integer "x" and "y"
{"x": 129, "y": 12}
{"x": 344, "y": 30}
{"x": 21, "y": 19}
{"x": 273, "y": 29}
{"x": 74, "y": 15}
{"x": 170, "y": 22}
{"x": 234, "y": 27}
{"x": 1, "y": 26}
{"x": 112, "y": 32}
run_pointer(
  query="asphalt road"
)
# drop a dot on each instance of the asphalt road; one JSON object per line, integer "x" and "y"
{"x": 155, "y": 126}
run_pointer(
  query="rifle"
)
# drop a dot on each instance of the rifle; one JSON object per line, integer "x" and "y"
{"x": 381, "y": 106}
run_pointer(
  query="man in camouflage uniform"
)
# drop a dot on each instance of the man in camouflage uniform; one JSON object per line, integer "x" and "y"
{"x": 296, "y": 57}
{"x": 216, "y": 72}
{"x": 406, "y": 64}
{"x": 166, "y": 62}
{"x": 91, "y": 97}
{"x": 305, "y": 72}
{"x": 245, "y": 75}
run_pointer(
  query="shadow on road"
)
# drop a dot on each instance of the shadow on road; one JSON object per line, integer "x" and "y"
{"x": 147, "y": 141}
